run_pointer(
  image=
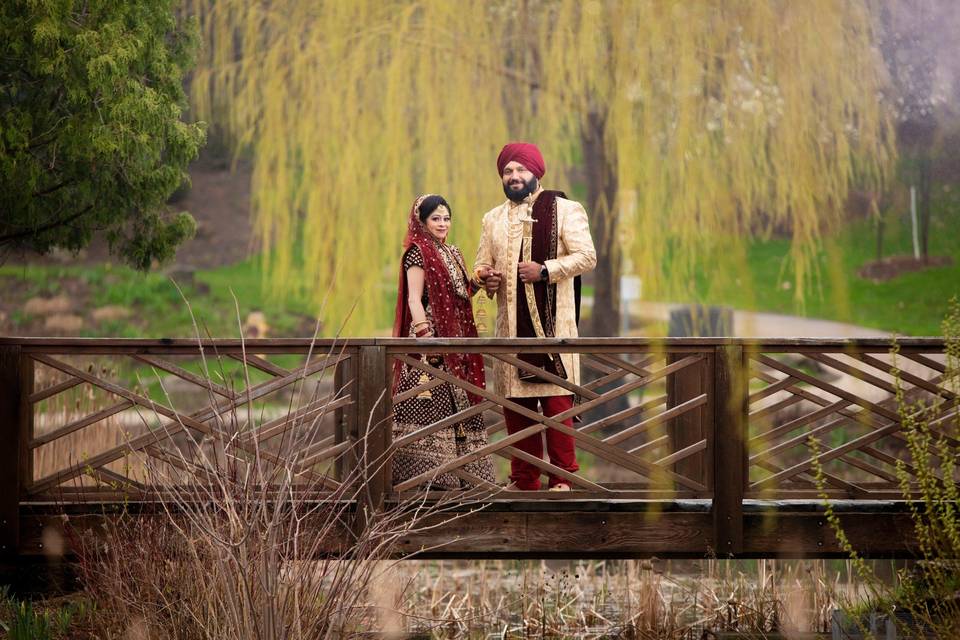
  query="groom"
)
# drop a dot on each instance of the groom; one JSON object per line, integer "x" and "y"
{"x": 532, "y": 248}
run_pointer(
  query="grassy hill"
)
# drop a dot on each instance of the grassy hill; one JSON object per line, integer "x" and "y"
{"x": 911, "y": 303}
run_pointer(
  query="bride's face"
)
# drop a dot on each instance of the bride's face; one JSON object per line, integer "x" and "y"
{"x": 438, "y": 223}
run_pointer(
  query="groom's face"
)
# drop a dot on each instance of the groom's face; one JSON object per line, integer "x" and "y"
{"x": 518, "y": 181}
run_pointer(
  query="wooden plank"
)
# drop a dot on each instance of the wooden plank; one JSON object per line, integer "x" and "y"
{"x": 546, "y": 375}
{"x": 449, "y": 421}
{"x": 346, "y": 428}
{"x": 561, "y": 533}
{"x": 170, "y": 346}
{"x": 793, "y": 425}
{"x": 433, "y": 383}
{"x": 492, "y": 447}
{"x": 487, "y": 534}
{"x": 927, "y": 362}
{"x": 307, "y": 414}
{"x": 771, "y": 389}
{"x": 854, "y": 372}
{"x": 804, "y": 479}
{"x": 590, "y": 362}
{"x": 687, "y": 426}
{"x": 476, "y": 482}
{"x": 652, "y": 445}
{"x": 809, "y": 535}
{"x": 829, "y": 454}
{"x": 27, "y": 426}
{"x": 180, "y": 372}
{"x": 731, "y": 391}
{"x": 863, "y": 465}
{"x": 890, "y": 460}
{"x": 862, "y": 416}
{"x": 771, "y": 409}
{"x": 53, "y": 390}
{"x": 573, "y": 478}
{"x": 259, "y": 363}
{"x": 12, "y": 402}
{"x": 672, "y": 413}
{"x": 684, "y": 453}
{"x": 826, "y": 455}
{"x": 639, "y": 369}
{"x": 114, "y": 479}
{"x": 629, "y": 412}
{"x": 829, "y": 388}
{"x": 76, "y": 425}
{"x": 136, "y": 345}
{"x": 319, "y": 456}
{"x": 906, "y": 376}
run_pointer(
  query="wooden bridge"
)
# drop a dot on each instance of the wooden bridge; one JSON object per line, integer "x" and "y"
{"x": 689, "y": 447}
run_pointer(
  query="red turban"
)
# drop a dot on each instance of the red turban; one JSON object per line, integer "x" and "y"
{"x": 525, "y": 153}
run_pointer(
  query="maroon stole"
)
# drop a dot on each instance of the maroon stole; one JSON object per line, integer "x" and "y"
{"x": 543, "y": 248}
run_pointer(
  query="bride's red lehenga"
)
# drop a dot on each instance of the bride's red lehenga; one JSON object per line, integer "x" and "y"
{"x": 446, "y": 299}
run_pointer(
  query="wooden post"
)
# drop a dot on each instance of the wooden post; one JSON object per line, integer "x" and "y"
{"x": 373, "y": 410}
{"x": 689, "y": 428}
{"x": 16, "y": 383}
{"x": 345, "y": 418}
{"x": 731, "y": 404}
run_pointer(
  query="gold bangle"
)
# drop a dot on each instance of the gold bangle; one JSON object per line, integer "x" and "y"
{"x": 417, "y": 324}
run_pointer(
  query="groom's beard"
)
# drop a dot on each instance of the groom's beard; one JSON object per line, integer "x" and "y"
{"x": 518, "y": 195}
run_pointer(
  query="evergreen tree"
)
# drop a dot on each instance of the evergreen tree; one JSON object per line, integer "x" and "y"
{"x": 91, "y": 132}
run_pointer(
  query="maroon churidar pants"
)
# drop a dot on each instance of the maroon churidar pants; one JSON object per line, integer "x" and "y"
{"x": 560, "y": 447}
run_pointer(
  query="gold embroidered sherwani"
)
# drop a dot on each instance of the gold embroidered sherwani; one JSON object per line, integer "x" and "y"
{"x": 499, "y": 248}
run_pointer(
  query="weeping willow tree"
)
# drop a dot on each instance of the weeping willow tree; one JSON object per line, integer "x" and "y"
{"x": 686, "y": 128}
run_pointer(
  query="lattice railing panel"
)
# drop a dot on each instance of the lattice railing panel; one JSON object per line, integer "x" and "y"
{"x": 118, "y": 421}
{"x": 846, "y": 401}
{"x": 641, "y": 429}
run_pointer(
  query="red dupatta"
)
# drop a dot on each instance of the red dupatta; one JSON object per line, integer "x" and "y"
{"x": 452, "y": 313}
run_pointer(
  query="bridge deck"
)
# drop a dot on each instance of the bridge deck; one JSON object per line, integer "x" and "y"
{"x": 689, "y": 447}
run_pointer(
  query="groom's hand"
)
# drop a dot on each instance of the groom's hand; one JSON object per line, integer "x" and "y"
{"x": 529, "y": 271}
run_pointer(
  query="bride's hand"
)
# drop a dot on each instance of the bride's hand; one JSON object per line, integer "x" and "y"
{"x": 491, "y": 281}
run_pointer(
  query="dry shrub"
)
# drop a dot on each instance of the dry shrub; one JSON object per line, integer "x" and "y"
{"x": 250, "y": 539}
{"x": 926, "y": 599}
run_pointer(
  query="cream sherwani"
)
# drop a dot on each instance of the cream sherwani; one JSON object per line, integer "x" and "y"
{"x": 500, "y": 243}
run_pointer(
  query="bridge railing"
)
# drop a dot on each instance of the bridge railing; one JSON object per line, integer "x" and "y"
{"x": 716, "y": 419}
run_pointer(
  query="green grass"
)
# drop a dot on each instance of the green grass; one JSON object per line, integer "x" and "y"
{"x": 157, "y": 308}
{"x": 912, "y": 304}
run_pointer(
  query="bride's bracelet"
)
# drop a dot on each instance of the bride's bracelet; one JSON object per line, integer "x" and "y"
{"x": 424, "y": 333}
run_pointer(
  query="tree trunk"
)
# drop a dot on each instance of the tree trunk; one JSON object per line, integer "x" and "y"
{"x": 601, "y": 193}
{"x": 923, "y": 209}
{"x": 879, "y": 239}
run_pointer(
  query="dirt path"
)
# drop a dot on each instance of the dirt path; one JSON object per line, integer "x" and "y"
{"x": 767, "y": 325}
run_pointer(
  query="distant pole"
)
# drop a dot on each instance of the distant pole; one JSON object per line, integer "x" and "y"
{"x": 913, "y": 220}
